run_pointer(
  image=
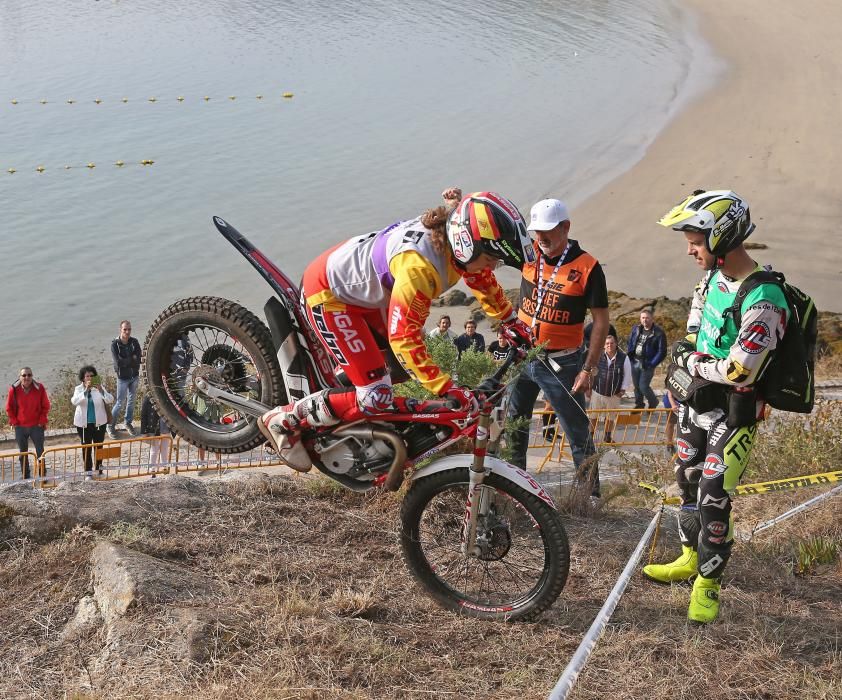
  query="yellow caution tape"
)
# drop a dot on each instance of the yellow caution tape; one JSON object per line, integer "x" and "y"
{"x": 795, "y": 482}
{"x": 153, "y": 99}
{"x": 764, "y": 487}
{"x": 666, "y": 500}
{"x": 651, "y": 487}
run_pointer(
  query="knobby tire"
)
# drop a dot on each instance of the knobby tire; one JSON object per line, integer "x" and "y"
{"x": 543, "y": 521}
{"x": 252, "y": 347}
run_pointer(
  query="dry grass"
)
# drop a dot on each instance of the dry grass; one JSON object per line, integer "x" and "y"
{"x": 314, "y": 602}
{"x": 829, "y": 366}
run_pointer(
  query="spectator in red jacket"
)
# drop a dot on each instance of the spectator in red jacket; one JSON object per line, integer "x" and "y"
{"x": 27, "y": 406}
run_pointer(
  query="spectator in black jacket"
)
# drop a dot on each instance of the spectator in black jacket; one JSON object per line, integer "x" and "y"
{"x": 152, "y": 425}
{"x": 646, "y": 349}
{"x": 125, "y": 354}
{"x": 470, "y": 338}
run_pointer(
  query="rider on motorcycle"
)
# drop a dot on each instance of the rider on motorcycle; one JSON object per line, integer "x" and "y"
{"x": 383, "y": 283}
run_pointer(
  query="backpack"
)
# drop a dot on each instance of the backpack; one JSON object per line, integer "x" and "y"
{"x": 787, "y": 382}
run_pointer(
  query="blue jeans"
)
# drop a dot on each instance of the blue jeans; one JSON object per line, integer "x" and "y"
{"x": 569, "y": 408}
{"x": 22, "y": 436}
{"x": 642, "y": 378}
{"x": 126, "y": 390}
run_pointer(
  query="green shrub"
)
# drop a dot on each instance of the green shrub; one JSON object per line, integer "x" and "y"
{"x": 815, "y": 550}
{"x": 468, "y": 370}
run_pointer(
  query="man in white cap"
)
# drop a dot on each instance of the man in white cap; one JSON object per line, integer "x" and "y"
{"x": 555, "y": 293}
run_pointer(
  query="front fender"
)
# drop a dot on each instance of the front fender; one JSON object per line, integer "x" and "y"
{"x": 492, "y": 464}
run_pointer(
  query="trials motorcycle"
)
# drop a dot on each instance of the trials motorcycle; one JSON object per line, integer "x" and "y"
{"x": 480, "y": 535}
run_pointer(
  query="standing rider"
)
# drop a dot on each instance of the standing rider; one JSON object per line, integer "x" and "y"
{"x": 718, "y": 423}
{"x": 382, "y": 284}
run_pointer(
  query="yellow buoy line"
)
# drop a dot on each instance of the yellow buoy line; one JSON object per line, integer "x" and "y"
{"x": 153, "y": 99}
{"x": 81, "y": 166}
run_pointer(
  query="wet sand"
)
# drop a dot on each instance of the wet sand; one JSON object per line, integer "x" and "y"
{"x": 769, "y": 130}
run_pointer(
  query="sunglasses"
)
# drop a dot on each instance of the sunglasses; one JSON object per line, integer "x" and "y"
{"x": 26, "y": 375}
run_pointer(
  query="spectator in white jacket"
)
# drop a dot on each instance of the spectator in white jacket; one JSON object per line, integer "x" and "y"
{"x": 442, "y": 330}
{"x": 91, "y": 416}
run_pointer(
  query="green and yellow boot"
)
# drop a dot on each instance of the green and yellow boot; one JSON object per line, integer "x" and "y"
{"x": 704, "y": 601}
{"x": 682, "y": 569}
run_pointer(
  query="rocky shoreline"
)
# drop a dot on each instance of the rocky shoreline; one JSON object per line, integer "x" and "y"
{"x": 624, "y": 311}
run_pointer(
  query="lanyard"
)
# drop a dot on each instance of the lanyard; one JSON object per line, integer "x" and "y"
{"x": 541, "y": 285}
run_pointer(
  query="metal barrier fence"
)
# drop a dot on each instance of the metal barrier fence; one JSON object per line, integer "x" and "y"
{"x": 11, "y": 462}
{"x": 115, "y": 459}
{"x": 189, "y": 458}
{"x": 147, "y": 456}
{"x": 141, "y": 456}
{"x": 614, "y": 427}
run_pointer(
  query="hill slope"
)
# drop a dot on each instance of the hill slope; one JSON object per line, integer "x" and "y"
{"x": 272, "y": 586}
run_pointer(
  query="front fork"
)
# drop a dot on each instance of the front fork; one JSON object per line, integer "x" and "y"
{"x": 479, "y": 500}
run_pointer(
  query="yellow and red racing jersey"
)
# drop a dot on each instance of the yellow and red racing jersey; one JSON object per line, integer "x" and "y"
{"x": 399, "y": 271}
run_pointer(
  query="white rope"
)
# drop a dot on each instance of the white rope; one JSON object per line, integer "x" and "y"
{"x": 792, "y": 511}
{"x": 743, "y": 537}
{"x": 580, "y": 657}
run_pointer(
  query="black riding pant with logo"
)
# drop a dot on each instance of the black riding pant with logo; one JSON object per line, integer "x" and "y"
{"x": 709, "y": 464}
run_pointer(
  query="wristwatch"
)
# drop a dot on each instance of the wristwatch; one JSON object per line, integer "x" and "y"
{"x": 587, "y": 368}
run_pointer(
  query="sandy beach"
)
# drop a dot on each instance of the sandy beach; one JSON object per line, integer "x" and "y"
{"x": 769, "y": 130}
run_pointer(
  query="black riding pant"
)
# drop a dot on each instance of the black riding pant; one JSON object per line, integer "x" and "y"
{"x": 709, "y": 464}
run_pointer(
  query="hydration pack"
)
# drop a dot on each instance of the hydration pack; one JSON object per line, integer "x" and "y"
{"x": 787, "y": 382}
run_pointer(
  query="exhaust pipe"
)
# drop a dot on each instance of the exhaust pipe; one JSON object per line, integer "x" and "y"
{"x": 394, "y": 479}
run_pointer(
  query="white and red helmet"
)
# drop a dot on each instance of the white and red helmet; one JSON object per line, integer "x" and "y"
{"x": 485, "y": 222}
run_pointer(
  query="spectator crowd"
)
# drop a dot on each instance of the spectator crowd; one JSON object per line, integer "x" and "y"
{"x": 96, "y": 410}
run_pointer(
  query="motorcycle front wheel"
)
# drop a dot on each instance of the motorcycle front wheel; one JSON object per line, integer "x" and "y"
{"x": 226, "y": 345}
{"x": 524, "y": 554}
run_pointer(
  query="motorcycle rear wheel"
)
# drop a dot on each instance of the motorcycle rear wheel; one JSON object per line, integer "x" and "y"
{"x": 231, "y": 348}
{"x": 526, "y": 561}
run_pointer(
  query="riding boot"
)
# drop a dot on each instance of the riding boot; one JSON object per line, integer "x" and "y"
{"x": 704, "y": 601}
{"x": 282, "y": 427}
{"x": 682, "y": 569}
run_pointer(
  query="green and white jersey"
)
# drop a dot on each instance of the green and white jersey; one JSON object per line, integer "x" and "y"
{"x": 741, "y": 353}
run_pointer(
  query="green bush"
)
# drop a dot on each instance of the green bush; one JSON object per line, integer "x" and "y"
{"x": 468, "y": 370}
{"x": 815, "y": 550}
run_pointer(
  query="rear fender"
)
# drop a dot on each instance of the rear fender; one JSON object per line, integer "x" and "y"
{"x": 305, "y": 364}
{"x": 301, "y": 370}
{"x": 492, "y": 464}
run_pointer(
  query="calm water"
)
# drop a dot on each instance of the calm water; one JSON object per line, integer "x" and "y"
{"x": 393, "y": 102}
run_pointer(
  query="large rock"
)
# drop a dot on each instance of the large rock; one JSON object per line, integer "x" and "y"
{"x": 452, "y": 297}
{"x": 123, "y": 578}
{"x": 43, "y": 514}
{"x": 138, "y": 598}
{"x": 86, "y": 618}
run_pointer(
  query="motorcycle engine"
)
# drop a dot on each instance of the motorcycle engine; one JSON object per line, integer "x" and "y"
{"x": 361, "y": 458}
{"x": 354, "y": 456}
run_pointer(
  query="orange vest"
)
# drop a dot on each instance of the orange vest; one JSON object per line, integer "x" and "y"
{"x": 560, "y": 321}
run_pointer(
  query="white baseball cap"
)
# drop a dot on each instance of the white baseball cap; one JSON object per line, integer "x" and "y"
{"x": 547, "y": 214}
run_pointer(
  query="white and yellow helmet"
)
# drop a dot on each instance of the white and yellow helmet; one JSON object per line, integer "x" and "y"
{"x": 721, "y": 215}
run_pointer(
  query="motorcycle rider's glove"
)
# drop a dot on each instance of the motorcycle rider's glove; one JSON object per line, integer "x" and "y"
{"x": 684, "y": 355}
{"x": 461, "y": 399}
{"x": 519, "y": 334}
